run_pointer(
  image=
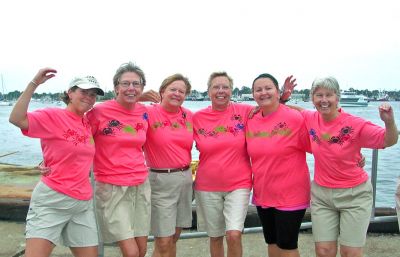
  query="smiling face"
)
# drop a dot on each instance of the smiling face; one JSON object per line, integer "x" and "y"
{"x": 128, "y": 89}
{"x": 173, "y": 95}
{"x": 266, "y": 94}
{"x": 220, "y": 93}
{"x": 81, "y": 100}
{"x": 326, "y": 102}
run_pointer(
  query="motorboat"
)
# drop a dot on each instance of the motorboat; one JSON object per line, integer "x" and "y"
{"x": 351, "y": 99}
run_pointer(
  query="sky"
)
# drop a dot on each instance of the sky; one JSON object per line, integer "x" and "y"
{"x": 358, "y": 42}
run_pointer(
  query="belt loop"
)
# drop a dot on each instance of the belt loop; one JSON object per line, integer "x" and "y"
{"x": 169, "y": 170}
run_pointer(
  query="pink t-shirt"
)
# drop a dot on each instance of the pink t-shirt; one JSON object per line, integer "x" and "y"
{"x": 119, "y": 135}
{"x": 336, "y": 146}
{"x": 68, "y": 149}
{"x": 220, "y": 138}
{"x": 277, "y": 146}
{"x": 169, "y": 138}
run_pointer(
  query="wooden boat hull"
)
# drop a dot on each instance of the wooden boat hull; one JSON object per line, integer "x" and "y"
{"x": 14, "y": 203}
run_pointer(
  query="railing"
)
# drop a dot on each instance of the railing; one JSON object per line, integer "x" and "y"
{"x": 304, "y": 225}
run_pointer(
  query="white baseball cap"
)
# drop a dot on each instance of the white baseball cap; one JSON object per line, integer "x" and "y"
{"x": 86, "y": 82}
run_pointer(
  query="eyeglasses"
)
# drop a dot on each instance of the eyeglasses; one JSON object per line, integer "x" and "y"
{"x": 126, "y": 84}
{"x": 220, "y": 87}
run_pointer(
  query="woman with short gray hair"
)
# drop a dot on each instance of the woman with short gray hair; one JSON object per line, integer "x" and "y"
{"x": 341, "y": 193}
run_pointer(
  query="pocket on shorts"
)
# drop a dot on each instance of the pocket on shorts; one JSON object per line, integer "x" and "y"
{"x": 41, "y": 193}
{"x": 398, "y": 188}
{"x": 153, "y": 177}
{"x": 103, "y": 191}
{"x": 364, "y": 190}
{"x": 188, "y": 177}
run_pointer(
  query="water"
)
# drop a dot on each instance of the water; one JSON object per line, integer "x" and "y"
{"x": 29, "y": 152}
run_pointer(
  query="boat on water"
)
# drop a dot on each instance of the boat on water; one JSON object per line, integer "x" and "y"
{"x": 6, "y": 103}
{"x": 351, "y": 99}
{"x": 3, "y": 100}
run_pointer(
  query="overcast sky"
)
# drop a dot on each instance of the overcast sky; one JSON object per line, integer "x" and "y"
{"x": 358, "y": 42}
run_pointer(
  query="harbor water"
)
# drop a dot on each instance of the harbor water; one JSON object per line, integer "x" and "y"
{"x": 26, "y": 151}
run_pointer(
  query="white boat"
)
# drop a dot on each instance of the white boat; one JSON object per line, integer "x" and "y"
{"x": 351, "y": 99}
{"x": 3, "y": 101}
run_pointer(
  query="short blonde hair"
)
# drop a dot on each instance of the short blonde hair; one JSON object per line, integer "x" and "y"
{"x": 219, "y": 74}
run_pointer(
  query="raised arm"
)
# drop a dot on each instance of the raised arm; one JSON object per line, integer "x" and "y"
{"x": 387, "y": 116}
{"x": 18, "y": 115}
{"x": 288, "y": 87}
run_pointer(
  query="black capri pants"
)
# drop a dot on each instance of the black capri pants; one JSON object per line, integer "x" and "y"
{"x": 281, "y": 227}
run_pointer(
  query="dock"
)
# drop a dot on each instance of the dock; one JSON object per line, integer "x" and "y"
{"x": 12, "y": 244}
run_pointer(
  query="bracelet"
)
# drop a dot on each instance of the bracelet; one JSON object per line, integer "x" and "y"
{"x": 34, "y": 83}
{"x": 284, "y": 101}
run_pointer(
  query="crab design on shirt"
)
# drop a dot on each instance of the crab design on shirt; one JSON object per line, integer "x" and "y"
{"x": 73, "y": 136}
{"x": 281, "y": 129}
{"x": 233, "y": 129}
{"x": 343, "y": 136}
{"x": 174, "y": 125}
{"x": 114, "y": 126}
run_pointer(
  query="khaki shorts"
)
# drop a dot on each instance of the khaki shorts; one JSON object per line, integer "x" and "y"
{"x": 61, "y": 219}
{"x": 341, "y": 214}
{"x": 218, "y": 212}
{"x": 398, "y": 201}
{"x": 171, "y": 202}
{"x": 123, "y": 212}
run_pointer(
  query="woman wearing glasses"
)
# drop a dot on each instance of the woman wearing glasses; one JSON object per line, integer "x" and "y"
{"x": 341, "y": 193}
{"x": 122, "y": 188}
{"x": 223, "y": 179}
{"x": 61, "y": 208}
{"x": 168, "y": 154}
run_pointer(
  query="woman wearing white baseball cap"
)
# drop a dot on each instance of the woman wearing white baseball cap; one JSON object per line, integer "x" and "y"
{"x": 61, "y": 207}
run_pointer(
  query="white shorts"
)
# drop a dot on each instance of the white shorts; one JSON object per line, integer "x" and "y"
{"x": 218, "y": 212}
{"x": 61, "y": 219}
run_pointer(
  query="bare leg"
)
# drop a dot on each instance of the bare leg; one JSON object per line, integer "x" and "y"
{"x": 398, "y": 200}
{"x": 38, "y": 247}
{"x": 234, "y": 243}
{"x": 176, "y": 238}
{"x": 273, "y": 250}
{"x": 129, "y": 247}
{"x": 289, "y": 253}
{"x": 163, "y": 246}
{"x": 90, "y": 251}
{"x": 141, "y": 242}
{"x": 347, "y": 251}
{"x": 326, "y": 249}
{"x": 217, "y": 246}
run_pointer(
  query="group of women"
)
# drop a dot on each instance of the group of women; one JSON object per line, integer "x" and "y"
{"x": 240, "y": 149}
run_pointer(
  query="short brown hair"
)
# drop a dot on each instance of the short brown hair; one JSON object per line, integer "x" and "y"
{"x": 169, "y": 80}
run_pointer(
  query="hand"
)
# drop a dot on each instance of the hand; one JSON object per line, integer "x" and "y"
{"x": 43, "y": 75}
{"x": 44, "y": 171}
{"x": 361, "y": 163}
{"x": 288, "y": 86}
{"x": 150, "y": 96}
{"x": 386, "y": 112}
